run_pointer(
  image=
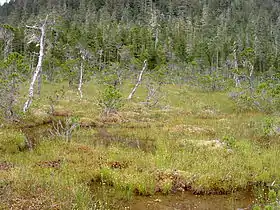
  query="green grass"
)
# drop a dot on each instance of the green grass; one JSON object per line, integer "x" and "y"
{"x": 138, "y": 151}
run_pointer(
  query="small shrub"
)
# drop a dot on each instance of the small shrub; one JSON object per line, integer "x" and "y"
{"x": 230, "y": 141}
{"x": 12, "y": 142}
{"x": 111, "y": 100}
{"x": 270, "y": 128}
{"x": 12, "y": 72}
{"x": 265, "y": 97}
{"x": 65, "y": 127}
{"x": 214, "y": 82}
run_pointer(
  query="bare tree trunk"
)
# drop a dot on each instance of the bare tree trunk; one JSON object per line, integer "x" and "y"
{"x": 236, "y": 76}
{"x": 84, "y": 55}
{"x": 64, "y": 6}
{"x": 156, "y": 38}
{"x": 81, "y": 77}
{"x": 39, "y": 64}
{"x": 119, "y": 74}
{"x": 250, "y": 66}
{"x": 138, "y": 81}
{"x": 100, "y": 59}
{"x": 217, "y": 60}
{"x": 235, "y": 59}
{"x": 39, "y": 82}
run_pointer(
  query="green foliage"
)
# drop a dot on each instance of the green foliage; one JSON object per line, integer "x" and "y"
{"x": 12, "y": 74}
{"x": 17, "y": 61}
{"x": 213, "y": 82}
{"x": 244, "y": 101}
{"x": 8, "y": 27}
{"x": 270, "y": 128}
{"x": 170, "y": 35}
{"x": 270, "y": 201}
{"x": 248, "y": 54}
{"x": 230, "y": 141}
{"x": 265, "y": 97}
{"x": 111, "y": 100}
{"x": 70, "y": 70}
{"x": 12, "y": 142}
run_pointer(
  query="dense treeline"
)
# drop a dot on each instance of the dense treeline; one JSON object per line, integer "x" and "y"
{"x": 202, "y": 32}
{"x": 208, "y": 41}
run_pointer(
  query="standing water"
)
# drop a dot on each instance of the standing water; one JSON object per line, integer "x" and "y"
{"x": 188, "y": 201}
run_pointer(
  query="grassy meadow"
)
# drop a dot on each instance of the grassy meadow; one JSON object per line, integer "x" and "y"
{"x": 191, "y": 141}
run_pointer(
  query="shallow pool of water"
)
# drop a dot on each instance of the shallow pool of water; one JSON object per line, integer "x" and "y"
{"x": 187, "y": 201}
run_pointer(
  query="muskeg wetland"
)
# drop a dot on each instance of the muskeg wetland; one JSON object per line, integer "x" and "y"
{"x": 193, "y": 150}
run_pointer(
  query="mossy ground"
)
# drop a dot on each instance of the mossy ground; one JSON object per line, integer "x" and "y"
{"x": 192, "y": 140}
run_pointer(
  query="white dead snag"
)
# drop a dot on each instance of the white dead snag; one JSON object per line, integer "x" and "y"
{"x": 81, "y": 77}
{"x": 84, "y": 55}
{"x": 156, "y": 41}
{"x": 236, "y": 76}
{"x": 39, "y": 64}
{"x": 247, "y": 64}
{"x": 138, "y": 81}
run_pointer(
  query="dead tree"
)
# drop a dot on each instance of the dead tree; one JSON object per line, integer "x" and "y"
{"x": 83, "y": 56}
{"x": 154, "y": 93}
{"x": 81, "y": 77}
{"x": 8, "y": 35}
{"x": 236, "y": 76}
{"x": 9, "y": 83}
{"x": 138, "y": 81}
{"x": 39, "y": 64}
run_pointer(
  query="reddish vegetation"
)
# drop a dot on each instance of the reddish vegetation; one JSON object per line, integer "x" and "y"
{"x": 178, "y": 184}
{"x": 62, "y": 113}
{"x": 118, "y": 165}
{"x": 50, "y": 164}
{"x": 4, "y": 166}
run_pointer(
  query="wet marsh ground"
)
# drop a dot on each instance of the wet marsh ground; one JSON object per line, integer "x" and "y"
{"x": 194, "y": 150}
